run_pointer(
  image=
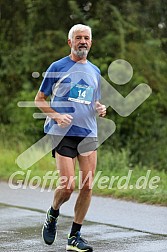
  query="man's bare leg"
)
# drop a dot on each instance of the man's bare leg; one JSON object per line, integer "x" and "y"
{"x": 66, "y": 168}
{"x": 87, "y": 164}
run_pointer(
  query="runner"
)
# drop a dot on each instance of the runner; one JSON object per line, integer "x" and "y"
{"x": 73, "y": 83}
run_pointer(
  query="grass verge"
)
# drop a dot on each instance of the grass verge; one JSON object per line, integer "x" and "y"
{"x": 115, "y": 175}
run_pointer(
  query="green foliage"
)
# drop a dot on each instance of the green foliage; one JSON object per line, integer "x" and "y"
{"x": 116, "y": 164}
{"x": 22, "y": 127}
{"x": 113, "y": 164}
{"x": 35, "y": 34}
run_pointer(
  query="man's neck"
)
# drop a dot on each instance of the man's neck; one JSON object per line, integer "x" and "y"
{"x": 77, "y": 59}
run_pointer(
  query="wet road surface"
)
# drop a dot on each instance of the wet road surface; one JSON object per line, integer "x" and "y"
{"x": 20, "y": 230}
{"x": 105, "y": 210}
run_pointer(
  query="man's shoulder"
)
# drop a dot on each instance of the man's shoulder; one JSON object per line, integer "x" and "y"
{"x": 94, "y": 66}
{"x": 58, "y": 64}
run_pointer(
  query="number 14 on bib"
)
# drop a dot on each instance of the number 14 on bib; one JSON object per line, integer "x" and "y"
{"x": 81, "y": 93}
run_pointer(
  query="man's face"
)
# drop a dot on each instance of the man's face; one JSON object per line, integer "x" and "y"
{"x": 81, "y": 43}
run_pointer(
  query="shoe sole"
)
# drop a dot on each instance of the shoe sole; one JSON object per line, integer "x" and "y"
{"x": 71, "y": 248}
{"x": 48, "y": 243}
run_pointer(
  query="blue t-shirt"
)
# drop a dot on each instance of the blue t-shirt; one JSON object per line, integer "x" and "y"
{"x": 74, "y": 88}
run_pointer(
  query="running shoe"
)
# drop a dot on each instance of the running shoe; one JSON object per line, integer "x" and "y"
{"x": 77, "y": 243}
{"x": 49, "y": 230}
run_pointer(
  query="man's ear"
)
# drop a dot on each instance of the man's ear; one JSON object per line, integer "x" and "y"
{"x": 69, "y": 43}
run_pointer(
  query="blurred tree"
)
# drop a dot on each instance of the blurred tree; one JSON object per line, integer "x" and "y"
{"x": 34, "y": 34}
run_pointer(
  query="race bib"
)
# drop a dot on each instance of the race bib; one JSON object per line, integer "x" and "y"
{"x": 81, "y": 93}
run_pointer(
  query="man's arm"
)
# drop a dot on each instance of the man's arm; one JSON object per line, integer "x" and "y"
{"x": 63, "y": 120}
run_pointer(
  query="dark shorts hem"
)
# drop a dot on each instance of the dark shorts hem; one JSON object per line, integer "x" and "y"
{"x": 71, "y": 146}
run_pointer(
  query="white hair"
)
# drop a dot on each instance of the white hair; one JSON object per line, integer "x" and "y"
{"x": 79, "y": 27}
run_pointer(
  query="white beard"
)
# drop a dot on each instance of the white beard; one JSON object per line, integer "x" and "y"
{"x": 80, "y": 53}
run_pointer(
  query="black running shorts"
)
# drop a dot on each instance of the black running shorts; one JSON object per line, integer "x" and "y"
{"x": 72, "y": 146}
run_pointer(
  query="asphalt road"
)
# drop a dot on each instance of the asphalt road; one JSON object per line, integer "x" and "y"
{"x": 110, "y": 226}
{"x": 20, "y": 230}
{"x": 104, "y": 210}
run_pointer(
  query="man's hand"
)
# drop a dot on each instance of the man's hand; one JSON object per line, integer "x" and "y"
{"x": 101, "y": 109}
{"x": 63, "y": 120}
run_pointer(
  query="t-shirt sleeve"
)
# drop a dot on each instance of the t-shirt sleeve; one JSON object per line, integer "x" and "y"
{"x": 49, "y": 80}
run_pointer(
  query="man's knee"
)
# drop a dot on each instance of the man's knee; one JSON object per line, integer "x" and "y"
{"x": 67, "y": 190}
{"x": 87, "y": 182}
{"x": 86, "y": 187}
